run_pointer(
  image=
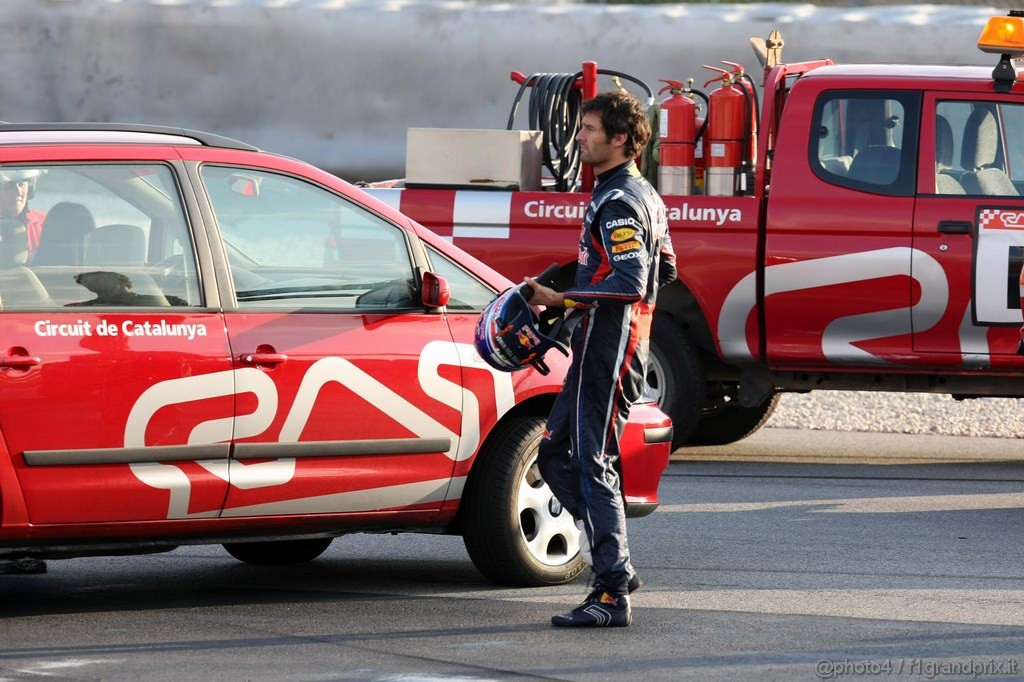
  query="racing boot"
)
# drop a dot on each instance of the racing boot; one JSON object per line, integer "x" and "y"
{"x": 599, "y": 610}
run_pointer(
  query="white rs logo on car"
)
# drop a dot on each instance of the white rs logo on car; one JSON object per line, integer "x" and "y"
{"x": 330, "y": 369}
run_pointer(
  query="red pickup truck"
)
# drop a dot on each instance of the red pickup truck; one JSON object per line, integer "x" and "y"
{"x": 870, "y": 238}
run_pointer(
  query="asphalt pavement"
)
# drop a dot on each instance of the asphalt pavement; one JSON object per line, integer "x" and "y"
{"x": 782, "y": 558}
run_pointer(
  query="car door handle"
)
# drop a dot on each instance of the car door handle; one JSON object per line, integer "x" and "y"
{"x": 262, "y": 358}
{"x": 19, "y": 361}
{"x": 955, "y": 227}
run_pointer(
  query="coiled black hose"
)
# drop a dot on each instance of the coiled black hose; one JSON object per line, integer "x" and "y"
{"x": 555, "y": 111}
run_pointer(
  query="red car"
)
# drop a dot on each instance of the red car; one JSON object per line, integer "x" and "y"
{"x": 206, "y": 343}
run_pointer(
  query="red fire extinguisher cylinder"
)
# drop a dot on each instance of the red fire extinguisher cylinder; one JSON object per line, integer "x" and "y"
{"x": 728, "y": 108}
{"x": 677, "y": 121}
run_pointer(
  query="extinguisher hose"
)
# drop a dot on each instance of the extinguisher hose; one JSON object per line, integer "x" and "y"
{"x": 750, "y": 123}
{"x": 707, "y": 106}
{"x": 554, "y": 110}
{"x": 745, "y": 156}
{"x": 619, "y": 74}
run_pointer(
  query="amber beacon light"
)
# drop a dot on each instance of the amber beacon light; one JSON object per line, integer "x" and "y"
{"x": 1004, "y": 36}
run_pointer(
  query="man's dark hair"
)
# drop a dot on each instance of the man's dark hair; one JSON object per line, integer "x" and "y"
{"x": 621, "y": 112}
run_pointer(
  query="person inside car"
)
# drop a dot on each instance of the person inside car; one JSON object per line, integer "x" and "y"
{"x": 20, "y": 225}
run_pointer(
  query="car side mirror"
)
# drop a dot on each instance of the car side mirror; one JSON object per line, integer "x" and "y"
{"x": 245, "y": 185}
{"x": 434, "y": 292}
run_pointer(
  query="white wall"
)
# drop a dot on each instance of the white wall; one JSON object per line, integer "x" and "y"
{"x": 338, "y": 82}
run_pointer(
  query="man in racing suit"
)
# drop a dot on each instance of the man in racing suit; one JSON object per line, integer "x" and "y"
{"x": 625, "y": 254}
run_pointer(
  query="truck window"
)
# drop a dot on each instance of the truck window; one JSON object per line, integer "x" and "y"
{"x": 987, "y": 155}
{"x": 866, "y": 140}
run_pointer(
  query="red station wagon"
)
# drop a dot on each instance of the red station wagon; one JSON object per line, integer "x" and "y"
{"x": 205, "y": 343}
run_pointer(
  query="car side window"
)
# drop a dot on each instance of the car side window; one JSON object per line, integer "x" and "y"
{"x": 467, "y": 292}
{"x": 111, "y": 235}
{"x": 866, "y": 140}
{"x": 292, "y": 244}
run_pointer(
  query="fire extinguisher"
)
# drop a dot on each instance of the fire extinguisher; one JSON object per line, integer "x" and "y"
{"x": 728, "y": 135}
{"x": 676, "y": 163}
{"x": 740, "y": 78}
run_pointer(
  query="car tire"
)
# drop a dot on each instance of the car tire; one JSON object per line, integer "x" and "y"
{"x": 514, "y": 529}
{"x": 675, "y": 378}
{"x": 278, "y": 552}
{"x": 731, "y": 422}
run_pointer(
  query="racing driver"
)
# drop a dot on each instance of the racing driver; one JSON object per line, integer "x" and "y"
{"x": 625, "y": 254}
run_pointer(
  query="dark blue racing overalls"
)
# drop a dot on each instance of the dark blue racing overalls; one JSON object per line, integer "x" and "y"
{"x": 625, "y": 255}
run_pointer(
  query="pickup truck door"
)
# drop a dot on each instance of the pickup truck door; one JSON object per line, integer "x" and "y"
{"x": 838, "y": 283}
{"x": 348, "y": 379}
{"x": 970, "y": 220}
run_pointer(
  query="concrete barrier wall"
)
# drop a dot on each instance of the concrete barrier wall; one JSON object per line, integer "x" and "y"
{"x": 338, "y": 82}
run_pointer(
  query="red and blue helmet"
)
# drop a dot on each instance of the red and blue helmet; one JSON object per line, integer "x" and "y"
{"x": 508, "y": 335}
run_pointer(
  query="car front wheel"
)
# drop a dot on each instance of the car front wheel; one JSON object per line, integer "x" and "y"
{"x": 514, "y": 528}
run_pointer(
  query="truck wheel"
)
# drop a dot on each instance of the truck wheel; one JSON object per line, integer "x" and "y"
{"x": 514, "y": 529}
{"x": 675, "y": 378}
{"x": 279, "y": 552}
{"x": 730, "y": 422}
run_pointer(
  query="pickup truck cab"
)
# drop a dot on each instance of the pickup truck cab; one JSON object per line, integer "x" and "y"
{"x": 872, "y": 240}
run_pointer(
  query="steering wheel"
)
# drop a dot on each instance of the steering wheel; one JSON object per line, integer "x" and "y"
{"x": 172, "y": 275}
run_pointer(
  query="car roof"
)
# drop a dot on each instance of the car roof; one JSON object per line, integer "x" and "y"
{"x": 112, "y": 133}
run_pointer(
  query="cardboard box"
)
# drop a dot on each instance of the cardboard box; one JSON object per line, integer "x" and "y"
{"x": 452, "y": 157}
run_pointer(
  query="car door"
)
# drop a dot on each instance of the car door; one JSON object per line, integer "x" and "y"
{"x": 113, "y": 358}
{"x": 360, "y": 396}
{"x": 970, "y": 221}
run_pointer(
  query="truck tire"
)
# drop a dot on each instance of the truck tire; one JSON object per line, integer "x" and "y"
{"x": 731, "y": 422}
{"x": 675, "y": 377}
{"x": 514, "y": 529}
{"x": 278, "y": 552}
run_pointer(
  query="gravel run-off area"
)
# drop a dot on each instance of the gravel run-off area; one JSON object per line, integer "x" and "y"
{"x": 917, "y": 413}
